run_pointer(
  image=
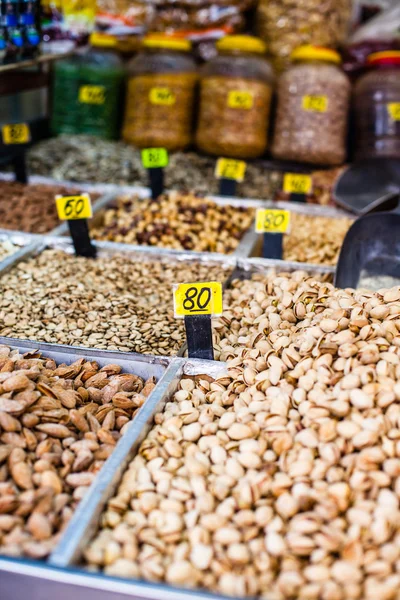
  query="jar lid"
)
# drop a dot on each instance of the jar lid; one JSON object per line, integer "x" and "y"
{"x": 167, "y": 42}
{"x": 309, "y": 52}
{"x": 389, "y": 57}
{"x": 245, "y": 43}
{"x": 102, "y": 40}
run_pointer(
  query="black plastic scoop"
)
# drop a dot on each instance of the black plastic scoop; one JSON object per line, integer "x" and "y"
{"x": 371, "y": 247}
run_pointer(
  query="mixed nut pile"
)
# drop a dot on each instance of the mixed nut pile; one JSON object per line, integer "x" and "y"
{"x": 181, "y": 222}
{"x": 280, "y": 478}
{"x": 114, "y": 303}
{"x": 58, "y": 425}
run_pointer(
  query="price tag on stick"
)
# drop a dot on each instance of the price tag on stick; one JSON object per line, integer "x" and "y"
{"x": 229, "y": 172}
{"x": 273, "y": 223}
{"x": 18, "y": 135}
{"x": 297, "y": 185}
{"x": 154, "y": 160}
{"x": 76, "y": 210}
{"x": 197, "y": 303}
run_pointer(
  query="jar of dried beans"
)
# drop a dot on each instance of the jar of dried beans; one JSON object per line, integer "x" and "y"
{"x": 160, "y": 96}
{"x": 312, "y": 109}
{"x": 235, "y": 96}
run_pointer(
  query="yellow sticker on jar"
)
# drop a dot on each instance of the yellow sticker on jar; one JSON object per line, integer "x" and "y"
{"x": 295, "y": 183}
{"x": 17, "y": 133}
{"x": 92, "y": 94}
{"x": 315, "y": 103}
{"x": 240, "y": 99}
{"x": 192, "y": 299}
{"x": 228, "y": 168}
{"x": 162, "y": 95}
{"x": 74, "y": 207}
{"x": 272, "y": 220}
{"x": 394, "y": 110}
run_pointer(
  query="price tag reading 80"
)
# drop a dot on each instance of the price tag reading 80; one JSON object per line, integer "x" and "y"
{"x": 18, "y": 133}
{"x": 272, "y": 220}
{"x": 74, "y": 207}
{"x": 194, "y": 299}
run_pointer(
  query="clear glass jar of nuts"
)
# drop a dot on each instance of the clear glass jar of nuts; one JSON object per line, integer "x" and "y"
{"x": 312, "y": 109}
{"x": 160, "y": 95}
{"x": 235, "y": 97}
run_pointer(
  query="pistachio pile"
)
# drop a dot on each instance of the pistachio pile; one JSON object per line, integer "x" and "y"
{"x": 58, "y": 425}
{"x": 113, "y": 303}
{"x": 282, "y": 477}
{"x": 7, "y": 248}
{"x": 181, "y": 222}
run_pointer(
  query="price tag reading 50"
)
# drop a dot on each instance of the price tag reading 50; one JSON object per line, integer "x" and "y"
{"x": 272, "y": 220}
{"x": 74, "y": 207}
{"x": 18, "y": 133}
{"x": 193, "y": 299}
{"x": 154, "y": 158}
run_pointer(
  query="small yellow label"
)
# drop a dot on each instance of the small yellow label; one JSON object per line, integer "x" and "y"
{"x": 295, "y": 183}
{"x": 92, "y": 94}
{"x": 154, "y": 158}
{"x": 227, "y": 168}
{"x": 315, "y": 103}
{"x": 18, "y": 133}
{"x": 394, "y": 110}
{"x": 162, "y": 95}
{"x": 240, "y": 99}
{"x": 198, "y": 299}
{"x": 74, "y": 207}
{"x": 272, "y": 220}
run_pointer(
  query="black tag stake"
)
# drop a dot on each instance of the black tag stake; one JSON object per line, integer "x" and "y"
{"x": 79, "y": 231}
{"x": 272, "y": 245}
{"x": 227, "y": 187}
{"x": 199, "y": 337}
{"x": 156, "y": 182}
{"x": 20, "y": 171}
{"x": 298, "y": 198}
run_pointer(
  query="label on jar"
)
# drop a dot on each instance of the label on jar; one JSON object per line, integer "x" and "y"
{"x": 228, "y": 168}
{"x": 162, "y": 95}
{"x": 315, "y": 103}
{"x": 192, "y": 299}
{"x": 295, "y": 183}
{"x": 394, "y": 110}
{"x": 74, "y": 207}
{"x": 92, "y": 94}
{"x": 17, "y": 133}
{"x": 240, "y": 99}
{"x": 272, "y": 220}
{"x": 154, "y": 158}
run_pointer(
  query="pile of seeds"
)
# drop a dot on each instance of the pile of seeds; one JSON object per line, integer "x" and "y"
{"x": 113, "y": 303}
{"x": 181, "y": 222}
{"x": 7, "y": 248}
{"x": 58, "y": 425}
{"x": 281, "y": 478}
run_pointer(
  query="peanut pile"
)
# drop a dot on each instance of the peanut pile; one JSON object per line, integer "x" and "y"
{"x": 58, "y": 425}
{"x": 280, "y": 478}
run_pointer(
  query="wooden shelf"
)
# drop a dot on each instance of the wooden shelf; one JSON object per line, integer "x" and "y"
{"x": 33, "y": 62}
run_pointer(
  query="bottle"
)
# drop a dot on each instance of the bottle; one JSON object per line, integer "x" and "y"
{"x": 10, "y": 21}
{"x": 3, "y": 44}
{"x": 28, "y": 20}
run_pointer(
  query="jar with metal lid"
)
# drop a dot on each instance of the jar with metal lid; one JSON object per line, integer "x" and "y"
{"x": 377, "y": 107}
{"x": 312, "y": 109}
{"x": 235, "y": 97}
{"x": 161, "y": 92}
{"x": 88, "y": 89}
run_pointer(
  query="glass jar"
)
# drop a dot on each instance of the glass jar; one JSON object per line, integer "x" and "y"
{"x": 235, "y": 97}
{"x": 312, "y": 109}
{"x": 160, "y": 97}
{"x": 87, "y": 91}
{"x": 377, "y": 107}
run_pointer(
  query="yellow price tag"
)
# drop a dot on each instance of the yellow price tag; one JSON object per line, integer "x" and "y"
{"x": 228, "y": 168}
{"x": 162, "y": 95}
{"x": 315, "y": 103}
{"x": 198, "y": 299}
{"x": 394, "y": 110}
{"x": 74, "y": 207}
{"x": 272, "y": 220}
{"x": 240, "y": 99}
{"x": 92, "y": 94}
{"x": 295, "y": 183}
{"x": 17, "y": 133}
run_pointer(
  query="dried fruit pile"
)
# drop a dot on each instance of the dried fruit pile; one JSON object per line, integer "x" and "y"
{"x": 58, "y": 425}
{"x": 281, "y": 478}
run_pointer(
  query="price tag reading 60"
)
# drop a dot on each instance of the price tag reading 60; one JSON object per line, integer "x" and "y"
{"x": 74, "y": 207}
{"x": 193, "y": 299}
{"x": 272, "y": 220}
{"x": 154, "y": 158}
